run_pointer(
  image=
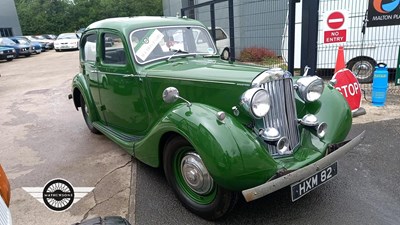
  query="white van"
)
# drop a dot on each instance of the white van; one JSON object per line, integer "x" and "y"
{"x": 380, "y": 44}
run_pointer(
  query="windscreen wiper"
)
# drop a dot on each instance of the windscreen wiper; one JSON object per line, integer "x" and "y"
{"x": 176, "y": 51}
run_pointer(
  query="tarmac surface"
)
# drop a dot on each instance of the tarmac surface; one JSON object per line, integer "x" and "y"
{"x": 43, "y": 137}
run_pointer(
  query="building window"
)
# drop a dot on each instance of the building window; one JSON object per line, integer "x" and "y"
{"x": 6, "y": 32}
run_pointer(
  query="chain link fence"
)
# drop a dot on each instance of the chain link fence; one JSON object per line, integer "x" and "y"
{"x": 261, "y": 37}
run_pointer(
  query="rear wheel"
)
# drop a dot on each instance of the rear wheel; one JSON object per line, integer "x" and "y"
{"x": 363, "y": 68}
{"x": 10, "y": 59}
{"x": 192, "y": 184}
{"x": 86, "y": 116}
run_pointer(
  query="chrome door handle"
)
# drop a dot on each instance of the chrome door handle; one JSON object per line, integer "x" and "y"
{"x": 94, "y": 71}
{"x": 129, "y": 75}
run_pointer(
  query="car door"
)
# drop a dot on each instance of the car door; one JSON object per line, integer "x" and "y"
{"x": 89, "y": 69}
{"x": 120, "y": 92}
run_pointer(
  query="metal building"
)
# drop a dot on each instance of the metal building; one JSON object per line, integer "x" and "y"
{"x": 257, "y": 23}
{"x": 9, "y": 22}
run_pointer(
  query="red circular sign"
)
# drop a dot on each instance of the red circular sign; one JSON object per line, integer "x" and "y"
{"x": 347, "y": 84}
{"x": 335, "y": 20}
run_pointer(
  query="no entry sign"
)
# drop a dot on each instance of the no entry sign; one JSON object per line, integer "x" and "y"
{"x": 347, "y": 84}
{"x": 335, "y": 20}
{"x": 335, "y": 26}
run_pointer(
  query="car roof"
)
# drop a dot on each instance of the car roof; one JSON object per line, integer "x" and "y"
{"x": 128, "y": 24}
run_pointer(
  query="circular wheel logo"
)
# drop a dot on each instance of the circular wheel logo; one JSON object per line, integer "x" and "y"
{"x": 58, "y": 195}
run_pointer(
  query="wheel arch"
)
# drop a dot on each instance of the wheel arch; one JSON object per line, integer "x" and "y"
{"x": 357, "y": 58}
{"x": 76, "y": 97}
{"x": 165, "y": 138}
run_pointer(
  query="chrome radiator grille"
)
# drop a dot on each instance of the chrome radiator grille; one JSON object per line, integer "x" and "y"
{"x": 282, "y": 114}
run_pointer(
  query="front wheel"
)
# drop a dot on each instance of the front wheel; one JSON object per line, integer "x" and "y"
{"x": 192, "y": 184}
{"x": 86, "y": 113}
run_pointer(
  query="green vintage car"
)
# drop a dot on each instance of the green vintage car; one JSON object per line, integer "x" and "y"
{"x": 157, "y": 87}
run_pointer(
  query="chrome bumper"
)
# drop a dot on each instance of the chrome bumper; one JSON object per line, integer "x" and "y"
{"x": 281, "y": 182}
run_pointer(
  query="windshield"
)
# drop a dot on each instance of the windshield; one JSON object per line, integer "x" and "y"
{"x": 6, "y": 41}
{"x": 68, "y": 36}
{"x": 22, "y": 41}
{"x": 164, "y": 42}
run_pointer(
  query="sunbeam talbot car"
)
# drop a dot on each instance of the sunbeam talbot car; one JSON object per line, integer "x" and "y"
{"x": 218, "y": 129}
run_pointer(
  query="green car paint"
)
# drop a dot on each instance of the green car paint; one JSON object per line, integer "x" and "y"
{"x": 127, "y": 106}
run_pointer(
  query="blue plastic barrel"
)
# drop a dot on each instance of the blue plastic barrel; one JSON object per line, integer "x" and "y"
{"x": 380, "y": 84}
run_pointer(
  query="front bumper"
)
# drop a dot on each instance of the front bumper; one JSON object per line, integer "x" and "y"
{"x": 7, "y": 56}
{"x": 288, "y": 179}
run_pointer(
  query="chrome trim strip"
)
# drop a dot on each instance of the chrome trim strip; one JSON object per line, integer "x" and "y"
{"x": 281, "y": 182}
{"x": 185, "y": 79}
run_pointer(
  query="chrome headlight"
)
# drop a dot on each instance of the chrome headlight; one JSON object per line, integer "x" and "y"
{"x": 256, "y": 102}
{"x": 310, "y": 88}
{"x": 1, "y": 52}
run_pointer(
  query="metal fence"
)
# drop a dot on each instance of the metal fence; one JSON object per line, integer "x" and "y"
{"x": 261, "y": 35}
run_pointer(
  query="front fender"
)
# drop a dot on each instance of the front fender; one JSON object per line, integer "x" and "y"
{"x": 231, "y": 152}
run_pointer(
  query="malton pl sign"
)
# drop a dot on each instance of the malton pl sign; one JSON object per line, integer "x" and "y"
{"x": 335, "y": 26}
{"x": 383, "y": 13}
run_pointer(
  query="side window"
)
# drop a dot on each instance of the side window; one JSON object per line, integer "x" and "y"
{"x": 90, "y": 48}
{"x": 219, "y": 34}
{"x": 113, "y": 49}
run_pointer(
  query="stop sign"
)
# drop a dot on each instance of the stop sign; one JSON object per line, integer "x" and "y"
{"x": 347, "y": 84}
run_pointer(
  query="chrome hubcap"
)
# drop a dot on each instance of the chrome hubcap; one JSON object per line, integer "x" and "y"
{"x": 362, "y": 70}
{"x": 195, "y": 174}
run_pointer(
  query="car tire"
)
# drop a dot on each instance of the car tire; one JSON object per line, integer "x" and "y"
{"x": 85, "y": 113}
{"x": 225, "y": 54}
{"x": 27, "y": 55}
{"x": 11, "y": 59}
{"x": 214, "y": 201}
{"x": 363, "y": 68}
{"x": 109, "y": 220}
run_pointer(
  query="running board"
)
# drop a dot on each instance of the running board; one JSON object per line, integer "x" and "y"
{"x": 124, "y": 140}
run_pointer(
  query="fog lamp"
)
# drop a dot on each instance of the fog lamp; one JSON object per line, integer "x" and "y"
{"x": 309, "y": 120}
{"x": 270, "y": 134}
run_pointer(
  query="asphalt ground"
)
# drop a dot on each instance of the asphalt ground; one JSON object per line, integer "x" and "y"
{"x": 365, "y": 191}
{"x": 43, "y": 137}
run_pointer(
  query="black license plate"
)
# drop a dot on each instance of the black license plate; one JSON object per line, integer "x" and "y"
{"x": 303, "y": 187}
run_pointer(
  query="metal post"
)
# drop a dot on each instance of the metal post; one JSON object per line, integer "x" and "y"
{"x": 231, "y": 31}
{"x": 291, "y": 33}
{"x": 212, "y": 15}
{"x": 182, "y": 12}
{"x": 309, "y": 35}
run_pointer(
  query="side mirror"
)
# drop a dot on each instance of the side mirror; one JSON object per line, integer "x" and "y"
{"x": 170, "y": 95}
